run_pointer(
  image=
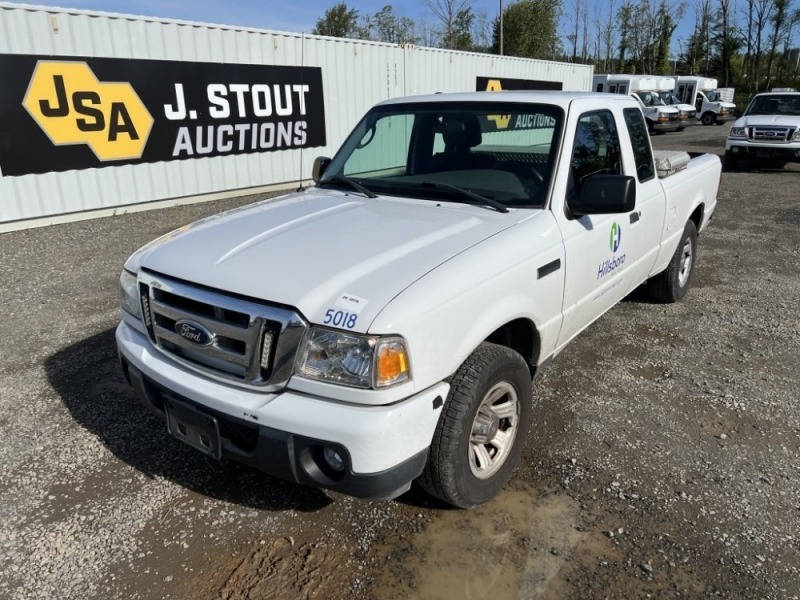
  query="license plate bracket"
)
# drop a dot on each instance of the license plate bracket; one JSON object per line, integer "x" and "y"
{"x": 765, "y": 153}
{"x": 193, "y": 427}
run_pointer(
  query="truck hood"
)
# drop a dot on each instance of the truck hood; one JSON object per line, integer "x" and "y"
{"x": 779, "y": 120}
{"x": 309, "y": 250}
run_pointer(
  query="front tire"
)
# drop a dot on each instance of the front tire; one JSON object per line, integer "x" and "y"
{"x": 730, "y": 163}
{"x": 482, "y": 428}
{"x": 709, "y": 118}
{"x": 672, "y": 284}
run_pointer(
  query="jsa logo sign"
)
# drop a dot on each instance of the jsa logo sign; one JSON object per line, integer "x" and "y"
{"x": 500, "y": 121}
{"x": 72, "y": 107}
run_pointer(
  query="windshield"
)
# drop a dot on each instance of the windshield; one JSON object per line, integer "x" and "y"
{"x": 437, "y": 151}
{"x": 668, "y": 98}
{"x": 712, "y": 95}
{"x": 650, "y": 99}
{"x": 775, "y": 104}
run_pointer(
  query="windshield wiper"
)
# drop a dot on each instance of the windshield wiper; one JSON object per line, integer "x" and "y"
{"x": 491, "y": 202}
{"x": 353, "y": 184}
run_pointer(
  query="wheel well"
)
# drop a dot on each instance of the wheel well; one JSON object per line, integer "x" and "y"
{"x": 521, "y": 336}
{"x": 697, "y": 216}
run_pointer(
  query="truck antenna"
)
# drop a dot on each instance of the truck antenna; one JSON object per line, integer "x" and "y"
{"x": 300, "y": 187}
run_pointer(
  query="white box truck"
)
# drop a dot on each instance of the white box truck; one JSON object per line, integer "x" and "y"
{"x": 687, "y": 113}
{"x": 659, "y": 117}
{"x": 713, "y": 104}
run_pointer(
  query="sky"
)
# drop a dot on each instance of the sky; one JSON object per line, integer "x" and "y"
{"x": 289, "y": 15}
{"x": 284, "y": 15}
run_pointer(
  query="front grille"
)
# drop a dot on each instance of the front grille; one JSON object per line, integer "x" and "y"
{"x": 226, "y": 337}
{"x": 770, "y": 134}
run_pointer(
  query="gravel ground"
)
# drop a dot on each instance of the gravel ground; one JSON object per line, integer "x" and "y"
{"x": 663, "y": 459}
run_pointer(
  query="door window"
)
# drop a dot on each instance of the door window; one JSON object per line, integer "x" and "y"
{"x": 596, "y": 149}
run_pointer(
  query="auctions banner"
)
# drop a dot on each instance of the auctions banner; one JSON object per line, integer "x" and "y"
{"x": 66, "y": 113}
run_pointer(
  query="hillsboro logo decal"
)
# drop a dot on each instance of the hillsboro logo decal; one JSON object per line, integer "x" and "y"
{"x": 616, "y": 261}
{"x": 73, "y": 107}
{"x": 65, "y": 113}
{"x": 616, "y": 237}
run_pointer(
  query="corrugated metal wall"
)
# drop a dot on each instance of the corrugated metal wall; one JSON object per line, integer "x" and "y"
{"x": 355, "y": 74}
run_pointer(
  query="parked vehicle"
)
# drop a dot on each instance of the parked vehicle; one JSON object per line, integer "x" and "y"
{"x": 714, "y": 105}
{"x": 687, "y": 114}
{"x": 659, "y": 117}
{"x": 385, "y": 325}
{"x": 768, "y": 131}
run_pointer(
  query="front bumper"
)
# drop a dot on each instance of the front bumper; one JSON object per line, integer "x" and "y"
{"x": 725, "y": 118}
{"x": 667, "y": 125}
{"x": 383, "y": 448}
{"x": 741, "y": 150}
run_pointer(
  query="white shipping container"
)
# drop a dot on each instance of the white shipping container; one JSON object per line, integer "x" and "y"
{"x": 355, "y": 75}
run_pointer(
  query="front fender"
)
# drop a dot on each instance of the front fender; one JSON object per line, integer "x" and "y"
{"x": 446, "y": 314}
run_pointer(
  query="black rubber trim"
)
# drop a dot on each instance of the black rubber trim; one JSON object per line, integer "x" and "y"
{"x": 550, "y": 267}
{"x": 286, "y": 455}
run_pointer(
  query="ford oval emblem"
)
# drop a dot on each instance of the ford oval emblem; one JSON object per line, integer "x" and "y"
{"x": 194, "y": 332}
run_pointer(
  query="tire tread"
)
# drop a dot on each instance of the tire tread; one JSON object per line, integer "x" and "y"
{"x": 439, "y": 477}
{"x": 664, "y": 287}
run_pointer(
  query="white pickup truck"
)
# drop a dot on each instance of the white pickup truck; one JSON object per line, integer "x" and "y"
{"x": 385, "y": 325}
{"x": 767, "y": 132}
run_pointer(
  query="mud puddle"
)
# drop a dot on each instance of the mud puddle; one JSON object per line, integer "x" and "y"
{"x": 512, "y": 547}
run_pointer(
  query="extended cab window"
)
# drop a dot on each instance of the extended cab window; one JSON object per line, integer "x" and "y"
{"x": 640, "y": 142}
{"x": 596, "y": 148}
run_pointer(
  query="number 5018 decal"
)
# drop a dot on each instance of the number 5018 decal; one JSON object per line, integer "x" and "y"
{"x": 340, "y": 318}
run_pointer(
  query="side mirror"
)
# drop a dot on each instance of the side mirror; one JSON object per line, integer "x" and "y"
{"x": 320, "y": 164}
{"x": 604, "y": 195}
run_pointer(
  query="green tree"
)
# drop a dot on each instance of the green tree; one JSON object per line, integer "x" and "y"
{"x": 387, "y": 26}
{"x": 455, "y": 18}
{"x": 340, "y": 21}
{"x": 779, "y": 20}
{"x": 665, "y": 27}
{"x": 461, "y": 35}
{"x": 625, "y": 20}
{"x": 530, "y": 29}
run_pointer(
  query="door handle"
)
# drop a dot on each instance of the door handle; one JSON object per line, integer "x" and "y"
{"x": 635, "y": 216}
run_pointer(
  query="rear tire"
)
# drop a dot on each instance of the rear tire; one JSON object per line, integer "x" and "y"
{"x": 672, "y": 284}
{"x": 481, "y": 431}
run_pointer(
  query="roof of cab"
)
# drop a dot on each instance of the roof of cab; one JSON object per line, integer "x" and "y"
{"x": 533, "y": 96}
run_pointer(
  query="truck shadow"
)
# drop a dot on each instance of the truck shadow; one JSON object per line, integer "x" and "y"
{"x": 88, "y": 378}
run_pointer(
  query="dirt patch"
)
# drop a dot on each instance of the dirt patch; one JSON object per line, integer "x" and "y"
{"x": 512, "y": 547}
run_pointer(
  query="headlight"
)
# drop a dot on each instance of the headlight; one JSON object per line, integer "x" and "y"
{"x": 796, "y": 136}
{"x": 129, "y": 294}
{"x": 737, "y": 132}
{"x": 352, "y": 359}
